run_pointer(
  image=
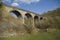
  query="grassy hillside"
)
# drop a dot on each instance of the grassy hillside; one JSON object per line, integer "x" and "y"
{"x": 51, "y": 19}
{"x": 9, "y": 24}
{"x": 48, "y": 27}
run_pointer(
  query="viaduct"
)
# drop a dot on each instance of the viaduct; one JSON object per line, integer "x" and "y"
{"x": 26, "y": 17}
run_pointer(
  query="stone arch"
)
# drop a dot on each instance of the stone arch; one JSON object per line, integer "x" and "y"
{"x": 17, "y": 13}
{"x": 35, "y": 17}
{"x": 41, "y": 18}
{"x": 28, "y": 20}
{"x": 36, "y": 21}
{"x": 28, "y": 15}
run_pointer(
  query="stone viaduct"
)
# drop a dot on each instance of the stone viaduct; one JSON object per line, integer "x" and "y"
{"x": 26, "y": 17}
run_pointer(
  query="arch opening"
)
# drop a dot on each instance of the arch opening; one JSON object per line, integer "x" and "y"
{"x": 28, "y": 20}
{"x": 36, "y": 17}
{"x": 36, "y": 21}
{"x": 15, "y": 13}
{"x": 41, "y": 18}
{"x": 27, "y": 15}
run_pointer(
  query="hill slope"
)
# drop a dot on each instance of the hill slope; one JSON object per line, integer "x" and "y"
{"x": 51, "y": 20}
{"x": 9, "y": 24}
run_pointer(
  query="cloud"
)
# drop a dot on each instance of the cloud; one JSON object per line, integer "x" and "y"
{"x": 14, "y": 4}
{"x": 27, "y": 1}
{"x": 17, "y": 2}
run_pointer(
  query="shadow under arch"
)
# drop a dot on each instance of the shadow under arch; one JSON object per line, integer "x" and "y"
{"x": 41, "y": 18}
{"x": 27, "y": 18}
{"x": 36, "y": 21}
{"x": 28, "y": 15}
{"x": 36, "y": 18}
{"x": 17, "y": 13}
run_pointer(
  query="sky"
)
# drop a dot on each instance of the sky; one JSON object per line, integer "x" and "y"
{"x": 36, "y": 6}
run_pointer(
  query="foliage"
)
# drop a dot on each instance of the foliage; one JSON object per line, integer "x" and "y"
{"x": 52, "y": 19}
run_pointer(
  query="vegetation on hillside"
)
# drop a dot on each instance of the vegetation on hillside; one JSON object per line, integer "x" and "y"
{"x": 51, "y": 19}
{"x": 13, "y": 26}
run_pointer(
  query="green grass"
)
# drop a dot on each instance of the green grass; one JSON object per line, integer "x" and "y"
{"x": 38, "y": 36}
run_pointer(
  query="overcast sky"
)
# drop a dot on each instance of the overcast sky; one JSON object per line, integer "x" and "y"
{"x": 37, "y": 6}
